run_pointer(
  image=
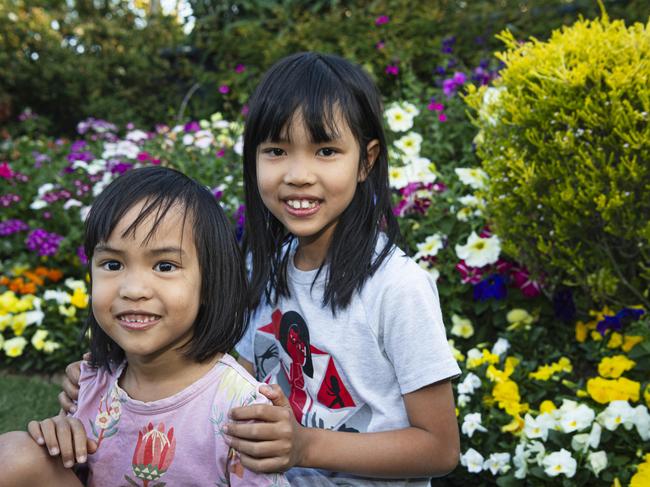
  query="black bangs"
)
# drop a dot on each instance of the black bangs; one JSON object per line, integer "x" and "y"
{"x": 320, "y": 91}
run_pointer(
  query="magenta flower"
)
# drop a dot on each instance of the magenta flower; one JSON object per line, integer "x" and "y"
{"x": 5, "y": 171}
{"x": 438, "y": 107}
{"x": 224, "y": 89}
{"x": 521, "y": 279}
{"x": 472, "y": 275}
{"x": 240, "y": 68}
{"x": 143, "y": 156}
{"x": 392, "y": 69}
{"x": 9, "y": 227}
{"x": 459, "y": 78}
{"x": 192, "y": 126}
{"x": 221, "y": 152}
{"x": 442, "y": 117}
{"x": 382, "y": 19}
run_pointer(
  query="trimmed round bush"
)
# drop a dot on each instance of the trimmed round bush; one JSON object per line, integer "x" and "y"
{"x": 564, "y": 135}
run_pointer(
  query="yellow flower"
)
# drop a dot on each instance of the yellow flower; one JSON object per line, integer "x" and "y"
{"x": 547, "y": 406}
{"x": 49, "y": 346}
{"x": 596, "y": 336}
{"x": 25, "y": 303}
{"x": 14, "y": 346}
{"x": 5, "y": 321}
{"x": 68, "y": 311}
{"x": 642, "y": 476}
{"x": 19, "y": 323}
{"x": 514, "y": 426}
{"x": 458, "y": 356}
{"x": 38, "y": 339}
{"x": 545, "y": 372}
{"x": 629, "y": 342}
{"x": 615, "y": 340}
{"x": 519, "y": 318}
{"x": 462, "y": 327}
{"x": 581, "y": 332}
{"x": 613, "y": 367}
{"x": 506, "y": 392}
{"x": 485, "y": 357}
{"x": 604, "y": 391}
{"x": 646, "y": 395}
{"x": 79, "y": 298}
{"x": 8, "y": 302}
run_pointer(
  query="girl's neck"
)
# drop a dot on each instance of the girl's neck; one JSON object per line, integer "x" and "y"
{"x": 312, "y": 250}
{"x": 153, "y": 379}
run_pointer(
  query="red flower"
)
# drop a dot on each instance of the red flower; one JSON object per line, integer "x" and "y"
{"x": 153, "y": 453}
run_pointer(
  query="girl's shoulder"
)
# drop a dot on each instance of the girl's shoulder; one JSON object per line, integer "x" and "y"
{"x": 237, "y": 385}
{"x": 397, "y": 266}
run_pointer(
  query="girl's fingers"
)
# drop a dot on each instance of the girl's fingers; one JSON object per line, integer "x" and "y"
{"x": 79, "y": 439}
{"x": 34, "y": 430}
{"x": 65, "y": 402}
{"x": 258, "y": 431}
{"x": 263, "y": 465}
{"x": 48, "y": 429}
{"x": 280, "y": 449}
{"x": 64, "y": 437}
{"x": 261, "y": 412}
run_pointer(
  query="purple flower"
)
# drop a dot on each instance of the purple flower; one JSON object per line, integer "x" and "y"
{"x": 240, "y": 68}
{"x": 8, "y": 199}
{"x": 224, "y": 89}
{"x": 493, "y": 286}
{"x": 392, "y": 69}
{"x": 42, "y": 242}
{"x": 192, "y": 126}
{"x": 616, "y": 322}
{"x": 382, "y": 19}
{"x": 82, "y": 255}
{"x": 221, "y": 152}
{"x": 448, "y": 87}
{"x": 40, "y": 158}
{"x": 78, "y": 145}
{"x": 84, "y": 156}
{"x": 240, "y": 221}
{"x": 380, "y": 45}
{"x": 121, "y": 167}
{"x": 9, "y": 227}
{"x": 459, "y": 78}
{"x": 563, "y": 305}
{"x": 448, "y": 44}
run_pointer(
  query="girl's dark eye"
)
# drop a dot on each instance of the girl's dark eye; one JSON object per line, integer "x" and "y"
{"x": 111, "y": 265}
{"x": 165, "y": 267}
{"x": 274, "y": 151}
{"x": 327, "y": 152}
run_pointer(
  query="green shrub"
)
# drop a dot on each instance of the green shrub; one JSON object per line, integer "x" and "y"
{"x": 564, "y": 136}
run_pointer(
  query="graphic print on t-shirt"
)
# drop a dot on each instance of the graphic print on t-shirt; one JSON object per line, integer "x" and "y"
{"x": 318, "y": 392}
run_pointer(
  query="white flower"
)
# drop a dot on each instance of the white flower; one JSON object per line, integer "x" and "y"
{"x": 469, "y": 200}
{"x": 49, "y": 346}
{"x": 70, "y": 203}
{"x": 616, "y": 413}
{"x": 534, "y": 428}
{"x": 500, "y": 347}
{"x": 410, "y": 144}
{"x": 430, "y": 247}
{"x": 463, "y": 400}
{"x": 123, "y": 148}
{"x": 83, "y": 212}
{"x": 188, "y": 139}
{"x": 538, "y": 449}
{"x": 239, "y": 146}
{"x": 38, "y": 204}
{"x": 463, "y": 214}
{"x": 479, "y": 251}
{"x": 398, "y": 177}
{"x": 497, "y": 463}
{"x": 462, "y": 327}
{"x": 75, "y": 284}
{"x": 490, "y": 97}
{"x": 399, "y": 120}
{"x": 61, "y": 297}
{"x": 419, "y": 170}
{"x": 559, "y": 462}
{"x": 203, "y": 139}
{"x": 580, "y": 442}
{"x": 470, "y": 383}
{"x": 45, "y": 188}
{"x": 411, "y": 109}
{"x": 473, "y": 354}
{"x": 137, "y": 136}
{"x": 34, "y": 317}
{"x": 472, "y": 176}
{"x": 641, "y": 420}
{"x": 594, "y": 435}
{"x": 520, "y": 460}
{"x": 471, "y": 424}
{"x": 597, "y": 461}
{"x": 577, "y": 419}
{"x": 473, "y": 460}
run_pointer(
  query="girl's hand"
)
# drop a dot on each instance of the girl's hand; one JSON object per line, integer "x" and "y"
{"x": 273, "y": 441}
{"x": 70, "y": 384}
{"x": 63, "y": 435}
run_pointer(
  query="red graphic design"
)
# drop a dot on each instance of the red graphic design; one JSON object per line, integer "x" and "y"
{"x": 333, "y": 393}
{"x": 153, "y": 453}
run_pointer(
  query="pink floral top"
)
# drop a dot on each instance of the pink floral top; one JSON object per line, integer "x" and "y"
{"x": 176, "y": 441}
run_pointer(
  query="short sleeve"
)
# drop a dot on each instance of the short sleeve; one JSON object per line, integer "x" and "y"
{"x": 412, "y": 329}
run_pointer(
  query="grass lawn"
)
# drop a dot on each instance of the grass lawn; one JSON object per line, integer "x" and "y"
{"x": 25, "y": 398}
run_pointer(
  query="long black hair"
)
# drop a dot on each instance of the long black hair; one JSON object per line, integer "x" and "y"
{"x": 220, "y": 322}
{"x": 318, "y": 87}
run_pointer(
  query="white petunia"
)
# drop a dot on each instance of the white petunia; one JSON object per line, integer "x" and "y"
{"x": 479, "y": 251}
{"x": 398, "y": 119}
{"x": 430, "y": 247}
{"x": 597, "y": 461}
{"x": 398, "y": 177}
{"x": 123, "y": 148}
{"x": 500, "y": 347}
{"x": 472, "y": 460}
{"x": 470, "y": 383}
{"x": 137, "y": 136}
{"x": 420, "y": 171}
{"x": 462, "y": 327}
{"x": 472, "y": 176}
{"x": 497, "y": 463}
{"x": 239, "y": 146}
{"x": 188, "y": 139}
{"x": 559, "y": 462}
{"x": 410, "y": 144}
{"x": 203, "y": 139}
{"x": 472, "y": 424}
{"x": 469, "y": 200}
{"x": 617, "y": 413}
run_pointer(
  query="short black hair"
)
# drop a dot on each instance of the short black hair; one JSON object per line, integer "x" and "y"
{"x": 221, "y": 321}
{"x": 318, "y": 87}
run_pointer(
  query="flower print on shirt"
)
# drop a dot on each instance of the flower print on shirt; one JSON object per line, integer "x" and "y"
{"x": 153, "y": 455}
{"x": 108, "y": 416}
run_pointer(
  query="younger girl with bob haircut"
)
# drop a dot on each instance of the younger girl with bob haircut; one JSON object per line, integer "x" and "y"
{"x": 345, "y": 325}
{"x": 167, "y": 287}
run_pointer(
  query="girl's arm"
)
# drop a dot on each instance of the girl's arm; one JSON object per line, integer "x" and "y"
{"x": 429, "y": 447}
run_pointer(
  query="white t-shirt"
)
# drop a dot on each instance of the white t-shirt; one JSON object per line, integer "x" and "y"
{"x": 348, "y": 371}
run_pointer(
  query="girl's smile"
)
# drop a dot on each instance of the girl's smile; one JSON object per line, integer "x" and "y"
{"x": 137, "y": 320}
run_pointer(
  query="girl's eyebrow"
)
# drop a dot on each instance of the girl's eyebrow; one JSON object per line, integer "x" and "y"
{"x": 154, "y": 252}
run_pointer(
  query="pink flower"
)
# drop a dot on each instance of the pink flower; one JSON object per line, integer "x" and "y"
{"x": 438, "y": 107}
{"x": 521, "y": 278}
{"x": 5, "y": 171}
{"x": 143, "y": 156}
{"x": 154, "y": 452}
{"x": 221, "y": 152}
{"x": 442, "y": 117}
{"x": 240, "y": 68}
{"x": 380, "y": 45}
{"x": 472, "y": 275}
{"x": 382, "y": 19}
{"x": 224, "y": 89}
{"x": 392, "y": 69}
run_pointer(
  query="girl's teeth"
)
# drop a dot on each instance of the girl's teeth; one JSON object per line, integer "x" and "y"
{"x": 139, "y": 319}
{"x": 301, "y": 204}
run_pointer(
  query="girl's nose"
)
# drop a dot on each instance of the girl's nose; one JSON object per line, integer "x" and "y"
{"x": 135, "y": 288}
{"x": 299, "y": 173}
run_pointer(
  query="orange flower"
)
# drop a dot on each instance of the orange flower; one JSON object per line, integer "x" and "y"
{"x": 35, "y": 278}
{"x": 54, "y": 275}
{"x": 4, "y": 280}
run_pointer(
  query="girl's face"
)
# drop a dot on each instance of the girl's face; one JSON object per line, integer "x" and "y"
{"x": 146, "y": 294}
{"x": 307, "y": 185}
